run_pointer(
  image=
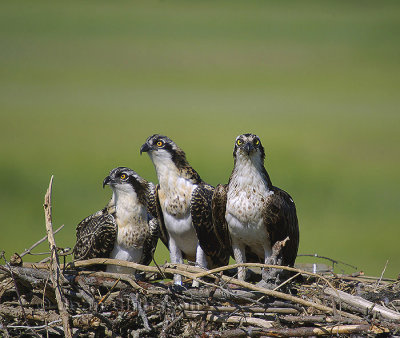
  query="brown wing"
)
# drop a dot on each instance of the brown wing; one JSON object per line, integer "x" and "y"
{"x": 218, "y": 207}
{"x": 203, "y": 223}
{"x": 150, "y": 242}
{"x": 95, "y": 236}
{"x": 281, "y": 220}
{"x": 154, "y": 209}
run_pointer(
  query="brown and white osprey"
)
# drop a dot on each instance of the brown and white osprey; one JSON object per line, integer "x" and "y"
{"x": 254, "y": 213}
{"x": 185, "y": 200}
{"x": 126, "y": 228}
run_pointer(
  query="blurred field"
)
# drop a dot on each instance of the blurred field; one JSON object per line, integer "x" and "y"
{"x": 82, "y": 84}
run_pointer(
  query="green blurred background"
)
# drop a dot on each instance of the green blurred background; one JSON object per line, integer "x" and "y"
{"x": 83, "y": 83}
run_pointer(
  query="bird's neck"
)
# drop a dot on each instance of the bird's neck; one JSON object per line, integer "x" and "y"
{"x": 127, "y": 208}
{"x": 166, "y": 171}
{"x": 249, "y": 171}
{"x": 168, "y": 174}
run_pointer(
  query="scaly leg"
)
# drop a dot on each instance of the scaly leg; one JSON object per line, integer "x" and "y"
{"x": 268, "y": 274}
{"x": 201, "y": 261}
{"x": 239, "y": 253}
{"x": 175, "y": 255}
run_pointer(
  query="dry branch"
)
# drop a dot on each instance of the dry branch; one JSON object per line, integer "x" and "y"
{"x": 55, "y": 264}
{"x": 298, "y": 332}
{"x": 83, "y": 321}
{"x": 363, "y": 306}
{"x": 249, "y": 309}
{"x": 211, "y": 317}
{"x": 156, "y": 309}
{"x": 28, "y": 251}
{"x": 196, "y": 273}
{"x": 184, "y": 271}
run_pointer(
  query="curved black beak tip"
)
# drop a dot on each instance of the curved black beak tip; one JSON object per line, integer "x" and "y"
{"x": 144, "y": 148}
{"x": 248, "y": 147}
{"x": 106, "y": 181}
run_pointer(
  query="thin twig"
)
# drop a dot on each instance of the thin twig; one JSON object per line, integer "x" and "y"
{"x": 159, "y": 270}
{"x": 28, "y": 251}
{"x": 109, "y": 292}
{"x": 287, "y": 281}
{"x": 383, "y": 272}
{"x": 334, "y": 261}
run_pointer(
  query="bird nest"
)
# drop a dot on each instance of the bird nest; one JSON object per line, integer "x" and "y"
{"x": 54, "y": 299}
{"x": 67, "y": 299}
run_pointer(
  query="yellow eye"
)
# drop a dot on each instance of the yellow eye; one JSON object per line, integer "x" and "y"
{"x": 239, "y": 142}
{"x": 256, "y": 142}
{"x": 123, "y": 176}
{"x": 160, "y": 143}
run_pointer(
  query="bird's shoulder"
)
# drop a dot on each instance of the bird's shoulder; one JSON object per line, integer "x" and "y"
{"x": 151, "y": 198}
{"x": 202, "y": 219}
{"x": 218, "y": 207}
{"x": 150, "y": 243}
{"x": 278, "y": 203}
{"x": 102, "y": 218}
{"x": 280, "y": 218}
{"x": 189, "y": 173}
{"x": 156, "y": 212}
{"x": 95, "y": 235}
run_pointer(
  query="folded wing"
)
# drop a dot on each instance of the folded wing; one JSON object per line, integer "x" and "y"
{"x": 281, "y": 221}
{"x": 207, "y": 231}
{"x": 95, "y": 235}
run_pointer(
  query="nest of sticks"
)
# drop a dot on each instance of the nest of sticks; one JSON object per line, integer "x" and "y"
{"x": 54, "y": 299}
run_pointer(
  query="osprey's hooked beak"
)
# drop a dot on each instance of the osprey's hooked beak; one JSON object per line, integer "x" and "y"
{"x": 106, "y": 181}
{"x": 248, "y": 147}
{"x": 144, "y": 148}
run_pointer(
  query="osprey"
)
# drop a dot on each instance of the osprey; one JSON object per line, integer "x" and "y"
{"x": 126, "y": 228}
{"x": 253, "y": 213}
{"x": 185, "y": 200}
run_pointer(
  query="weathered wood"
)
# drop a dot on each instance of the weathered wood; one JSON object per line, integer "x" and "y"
{"x": 28, "y": 276}
{"x": 295, "y": 332}
{"x": 196, "y": 273}
{"x": 221, "y": 294}
{"x": 83, "y": 321}
{"x": 55, "y": 266}
{"x": 211, "y": 317}
{"x": 364, "y": 306}
{"x": 320, "y": 319}
{"x": 320, "y": 331}
{"x": 249, "y": 309}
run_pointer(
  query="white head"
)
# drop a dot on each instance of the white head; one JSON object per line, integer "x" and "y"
{"x": 248, "y": 146}
{"x": 124, "y": 183}
{"x": 163, "y": 150}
